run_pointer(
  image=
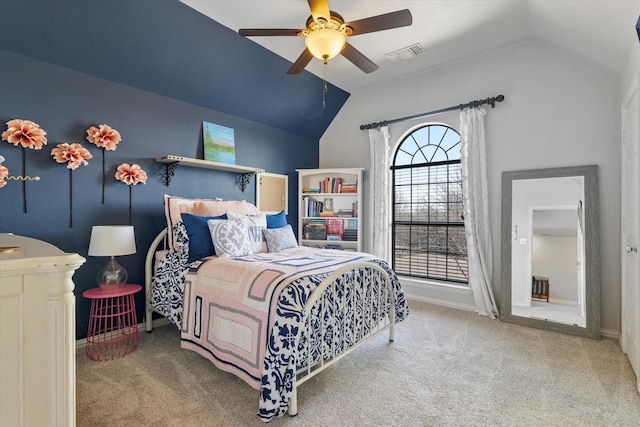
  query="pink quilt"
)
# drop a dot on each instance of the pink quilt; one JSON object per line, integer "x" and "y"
{"x": 230, "y": 304}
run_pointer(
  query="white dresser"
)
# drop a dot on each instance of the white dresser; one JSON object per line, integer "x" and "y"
{"x": 37, "y": 333}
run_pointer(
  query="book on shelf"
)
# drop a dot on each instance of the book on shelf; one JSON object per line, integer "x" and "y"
{"x": 345, "y": 213}
{"x": 351, "y": 224}
{"x": 334, "y": 236}
{"x": 335, "y": 226}
{"x": 315, "y": 231}
{"x": 350, "y": 234}
{"x": 348, "y": 188}
{"x": 312, "y": 207}
{"x": 332, "y": 246}
{"x": 334, "y": 185}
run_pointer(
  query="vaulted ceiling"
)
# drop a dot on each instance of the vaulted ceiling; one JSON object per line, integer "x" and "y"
{"x": 600, "y": 33}
{"x": 170, "y": 48}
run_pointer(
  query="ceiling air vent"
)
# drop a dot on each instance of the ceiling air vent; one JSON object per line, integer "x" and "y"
{"x": 406, "y": 53}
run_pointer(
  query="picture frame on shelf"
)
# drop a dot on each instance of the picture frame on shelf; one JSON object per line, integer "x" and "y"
{"x": 327, "y": 204}
{"x": 219, "y": 143}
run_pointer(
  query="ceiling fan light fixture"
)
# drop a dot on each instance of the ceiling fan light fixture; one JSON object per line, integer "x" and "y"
{"x": 325, "y": 43}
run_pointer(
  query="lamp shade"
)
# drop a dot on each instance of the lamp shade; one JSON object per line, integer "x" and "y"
{"x": 325, "y": 43}
{"x": 112, "y": 240}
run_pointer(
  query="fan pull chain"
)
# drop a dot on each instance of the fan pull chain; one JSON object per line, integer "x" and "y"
{"x": 325, "y": 87}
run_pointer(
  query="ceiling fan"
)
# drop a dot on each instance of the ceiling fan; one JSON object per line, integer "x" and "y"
{"x": 326, "y": 35}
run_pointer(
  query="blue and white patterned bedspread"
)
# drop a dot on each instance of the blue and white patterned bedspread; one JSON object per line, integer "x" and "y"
{"x": 279, "y": 370}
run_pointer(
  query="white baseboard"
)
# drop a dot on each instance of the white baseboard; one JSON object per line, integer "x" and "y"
{"x": 82, "y": 343}
{"x": 453, "y": 296}
{"x": 563, "y": 301}
{"x": 609, "y": 333}
{"x": 444, "y": 303}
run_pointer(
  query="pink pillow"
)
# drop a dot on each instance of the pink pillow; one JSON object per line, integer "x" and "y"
{"x": 175, "y": 206}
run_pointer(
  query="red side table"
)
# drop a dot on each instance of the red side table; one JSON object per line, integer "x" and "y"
{"x": 113, "y": 328}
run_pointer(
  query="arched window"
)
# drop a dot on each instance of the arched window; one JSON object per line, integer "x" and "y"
{"x": 428, "y": 225}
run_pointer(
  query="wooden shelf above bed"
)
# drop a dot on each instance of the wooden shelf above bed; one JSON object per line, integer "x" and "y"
{"x": 173, "y": 161}
{"x": 206, "y": 164}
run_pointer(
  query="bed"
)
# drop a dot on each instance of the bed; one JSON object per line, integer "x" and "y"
{"x": 247, "y": 298}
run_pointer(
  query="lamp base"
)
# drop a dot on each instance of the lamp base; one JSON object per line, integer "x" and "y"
{"x": 112, "y": 276}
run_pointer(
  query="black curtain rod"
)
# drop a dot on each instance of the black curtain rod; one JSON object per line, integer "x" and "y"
{"x": 472, "y": 104}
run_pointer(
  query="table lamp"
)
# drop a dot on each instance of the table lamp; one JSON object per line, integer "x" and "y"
{"x": 112, "y": 241}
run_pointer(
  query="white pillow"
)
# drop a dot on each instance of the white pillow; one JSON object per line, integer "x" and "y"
{"x": 280, "y": 238}
{"x": 256, "y": 224}
{"x": 230, "y": 238}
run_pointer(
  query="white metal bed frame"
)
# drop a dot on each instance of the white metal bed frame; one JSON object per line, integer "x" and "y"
{"x": 376, "y": 323}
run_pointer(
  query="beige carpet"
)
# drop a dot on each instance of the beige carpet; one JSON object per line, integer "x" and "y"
{"x": 446, "y": 368}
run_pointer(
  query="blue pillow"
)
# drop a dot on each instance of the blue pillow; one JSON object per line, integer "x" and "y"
{"x": 200, "y": 244}
{"x": 278, "y": 220}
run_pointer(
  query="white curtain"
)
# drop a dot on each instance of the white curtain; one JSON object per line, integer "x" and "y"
{"x": 476, "y": 209}
{"x": 380, "y": 193}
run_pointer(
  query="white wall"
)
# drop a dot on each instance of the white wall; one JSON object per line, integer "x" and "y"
{"x": 557, "y": 112}
{"x": 631, "y": 69}
{"x": 556, "y": 257}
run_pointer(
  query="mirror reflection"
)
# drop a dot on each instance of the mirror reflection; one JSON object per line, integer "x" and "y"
{"x": 550, "y": 245}
{"x": 547, "y": 251}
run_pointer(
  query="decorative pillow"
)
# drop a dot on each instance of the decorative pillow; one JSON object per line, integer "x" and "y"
{"x": 256, "y": 224}
{"x": 278, "y": 220}
{"x": 280, "y": 238}
{"x": 230, "y": 238}
{"x": 200, "y": 244}
{"x": 175, "y": 206}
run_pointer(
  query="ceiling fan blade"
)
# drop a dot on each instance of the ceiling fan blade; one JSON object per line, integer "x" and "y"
{"x": 268, "y": 32}
{"x": 387, "y": 21}
{"x": 301, "y": 62}
{"x": 358, "y": 59}
{"x": 320, "y": 8}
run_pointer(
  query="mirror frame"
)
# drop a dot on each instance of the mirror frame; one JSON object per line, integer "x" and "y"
{"x": 592, "y": 249}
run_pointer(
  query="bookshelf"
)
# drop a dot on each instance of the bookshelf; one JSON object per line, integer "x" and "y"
{"x": 328, "y": 208}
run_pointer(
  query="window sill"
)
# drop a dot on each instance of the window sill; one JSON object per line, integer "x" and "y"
{"x": 441, "y": 293}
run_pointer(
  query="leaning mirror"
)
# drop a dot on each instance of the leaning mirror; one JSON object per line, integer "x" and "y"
{"x": 550, "y": 250}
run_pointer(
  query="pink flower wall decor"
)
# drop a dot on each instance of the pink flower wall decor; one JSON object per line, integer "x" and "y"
{"x": 26, "y": 134}
{"x": 104, "y": 136}
{"x": 107, "y": 138}
{"x": 74, "y": 155}
{"x": 131, "y": 175}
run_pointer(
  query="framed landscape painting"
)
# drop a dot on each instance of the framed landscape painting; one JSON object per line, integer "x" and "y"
{"x": 219, "y": 143}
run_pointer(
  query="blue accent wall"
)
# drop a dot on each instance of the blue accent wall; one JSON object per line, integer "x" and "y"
{"x": 165, "y": 47}
{"x": 66, "y": 86}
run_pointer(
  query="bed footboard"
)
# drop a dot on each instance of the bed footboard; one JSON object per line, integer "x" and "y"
{"x": 367, "y": 286}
